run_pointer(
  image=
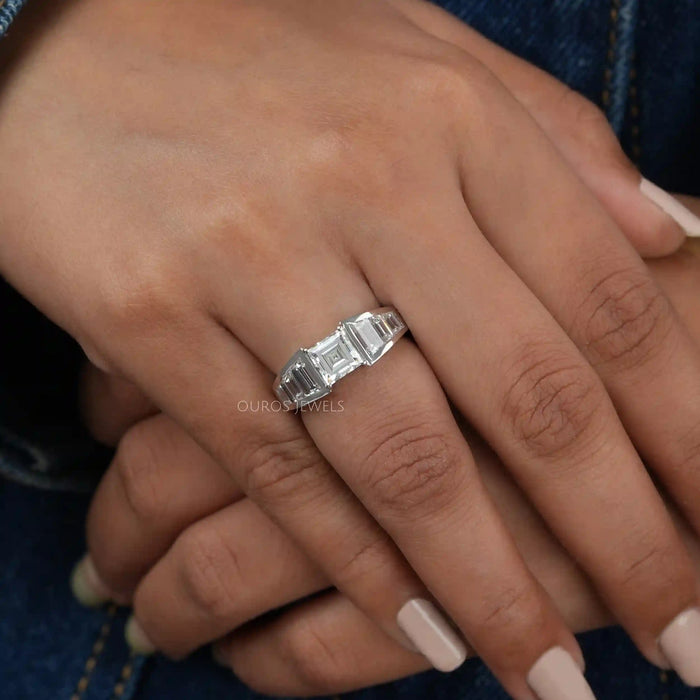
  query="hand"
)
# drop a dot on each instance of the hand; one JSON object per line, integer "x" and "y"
{"x": 323, "y": 646}
{"x": 344, "y": 154}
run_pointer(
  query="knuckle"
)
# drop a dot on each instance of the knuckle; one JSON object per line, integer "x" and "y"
{"x": 519, "y": 609}
{"x": 590, "y": 127}
{"x": 211, "y": 571}
{"x": 278, "y": 468}
{"x": 625, "y": 319}
{"x": 654, "y": 572}
{"x": 140, "y": 472}
{"x": 319, "y": 668}
{"x": 414, "y": 467}
{"x": 364, "y": 562}
{"x": 585, "y": 117}
{"x": 447, "y": 83}
{"x": 551, "y": 401}
{"x": 146, "y": 297}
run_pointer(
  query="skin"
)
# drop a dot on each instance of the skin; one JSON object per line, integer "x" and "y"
{"x": 387, "y": 163}
{"x": 316, "y": 647}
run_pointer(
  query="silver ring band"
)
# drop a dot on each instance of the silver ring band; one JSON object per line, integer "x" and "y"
{"x": 360, "y": 340}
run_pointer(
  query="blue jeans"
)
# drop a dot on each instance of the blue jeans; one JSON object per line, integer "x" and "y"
{"x": 638, "y": 59}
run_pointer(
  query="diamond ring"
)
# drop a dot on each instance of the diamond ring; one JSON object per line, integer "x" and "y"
{"x": 360, "y": 340}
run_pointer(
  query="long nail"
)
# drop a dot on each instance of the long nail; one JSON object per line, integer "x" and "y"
{"x": 556, "y": 676}
{"x": 432, "y": 634}
{"x": 137, "y": 639}
{"x": 86, "y": 584}
{"x": 680, "y": 643}
{"x": 680, "y": 214}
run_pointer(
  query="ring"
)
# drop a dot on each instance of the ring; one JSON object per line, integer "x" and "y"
{"x": 360, "y": 340}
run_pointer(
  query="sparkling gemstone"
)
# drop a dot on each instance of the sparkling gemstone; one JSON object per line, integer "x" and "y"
{"x": 383, "y": 328}
{"x": 335, "y": 357}
{"x": 301, "y": 380}
{"x": 393, "y": 321}
{"x": 365, "y": 337}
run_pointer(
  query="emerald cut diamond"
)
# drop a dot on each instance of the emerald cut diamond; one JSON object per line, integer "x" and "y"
{"x": 360, "y": 340}
{"x": 335, "y": 357}
{"x": 301, "y": 382}
{"x": 373, "y": 334}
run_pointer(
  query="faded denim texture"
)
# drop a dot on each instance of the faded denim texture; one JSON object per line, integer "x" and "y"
{"x": 8, "y": 11}
{"x": 638, "y": 59}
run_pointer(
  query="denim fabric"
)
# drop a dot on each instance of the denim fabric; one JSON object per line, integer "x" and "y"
{"x": 42, "y": 442}
{"x": 8, "y": 11}
{"x": 668, "y": 88}
{"x": 638, "y": 59}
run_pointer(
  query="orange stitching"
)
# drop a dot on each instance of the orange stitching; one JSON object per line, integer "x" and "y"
{"x": 124, "y": 676}
{"x": 612, "y": 44}
{"x": 97, "y": 649}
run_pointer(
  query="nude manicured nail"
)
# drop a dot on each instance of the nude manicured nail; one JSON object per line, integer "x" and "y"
{"x": 137, "y": 639}
{"x": 680, "y": 214}
{"x": 431, "y": 634}
{"x": 680, "y": 643}
{"x": 86, "y": 584}
{"x": 556, "y": 676}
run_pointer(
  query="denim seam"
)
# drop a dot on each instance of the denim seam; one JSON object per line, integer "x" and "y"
{"x": 610, "y": 62}
{"x": 621, "y": 41}
{"x": 97, "y": 649}
{"x": 124, "y": 677}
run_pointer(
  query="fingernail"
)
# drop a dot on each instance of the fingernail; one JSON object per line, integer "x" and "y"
{"x": 680, "y": 214}
{"x": 86, "y": 584}
{"x": 137, "y": 639}
{"x": 432, "y": 634}
{"x": 680, "y": 643}
{"x": 556, "y": 676}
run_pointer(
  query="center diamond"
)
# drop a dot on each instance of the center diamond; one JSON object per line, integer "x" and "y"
{"x": 335, "y": 357}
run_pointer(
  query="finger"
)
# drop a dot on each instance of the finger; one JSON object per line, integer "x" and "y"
{"x": 525, "y": 386}
{"x": 404, "y": 457}
{"x": 221, "y": 572}
{"x": 611, "y": 307}
{"x": 580, "y": 131}
{"x": 159, "y": 482}
{"x": 320, "y": 647}
{"x": 678, "y": 275}
{"x": 110, "y": 404}
{"x": 270, "y": 454}
{"x": 238, "y": 563}
{"x": 327, "y": 646}
{"x": 283, "y": 476}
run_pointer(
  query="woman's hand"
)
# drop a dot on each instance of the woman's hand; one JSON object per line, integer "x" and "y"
{"x": 148, "y": 507}
{"x": 233, "y": 179}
